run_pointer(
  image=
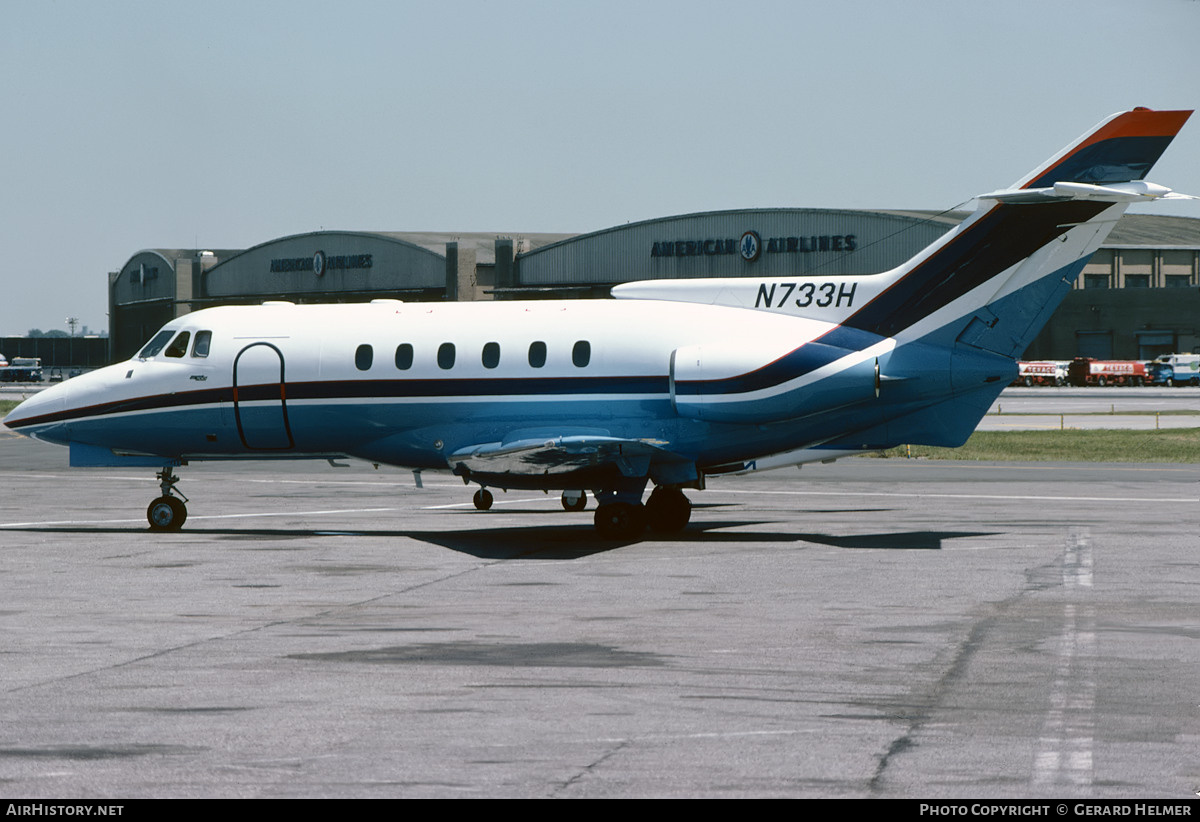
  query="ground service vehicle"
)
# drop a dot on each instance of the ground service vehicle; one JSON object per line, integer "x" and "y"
{"x": 1041, "y": 373}
{"x": 22, "y": 369}
{"x": 1175, "y": 369}
{"x": 1085, "y": 371}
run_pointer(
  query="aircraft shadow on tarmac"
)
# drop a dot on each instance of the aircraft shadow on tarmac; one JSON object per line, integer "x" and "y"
{"x": 575, "y": 542}
{"x": 563, "y": 542}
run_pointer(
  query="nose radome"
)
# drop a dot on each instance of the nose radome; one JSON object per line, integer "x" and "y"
{"x": 46, "y": 402}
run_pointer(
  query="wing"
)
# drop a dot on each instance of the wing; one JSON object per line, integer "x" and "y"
{"x": 558, "y": 455}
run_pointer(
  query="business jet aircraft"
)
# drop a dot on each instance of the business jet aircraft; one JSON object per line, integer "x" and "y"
{"x": 671, "y": 382}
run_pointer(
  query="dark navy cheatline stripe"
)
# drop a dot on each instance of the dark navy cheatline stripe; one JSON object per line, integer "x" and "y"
{"x": 999, "y": 240}
{"x": 580, "y": 387}
{"x": 153, "y": 402}
{"x": 803, "y": 360}
{"x": 832, "y": 346}
{"x": 480, "y": 388}
{"x": 851, "y": 339}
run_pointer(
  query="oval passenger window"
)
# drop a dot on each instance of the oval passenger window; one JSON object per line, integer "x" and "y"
{"x": 404, "y": 356}
{"x": 581, "y": 354}
{"x": 537, "y": 354}
{"x": 491, "y": 355}
{"x": 364, "y": 355}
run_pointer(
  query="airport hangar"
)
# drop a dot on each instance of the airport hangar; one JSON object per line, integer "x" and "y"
{"x": 1138, "y": 297}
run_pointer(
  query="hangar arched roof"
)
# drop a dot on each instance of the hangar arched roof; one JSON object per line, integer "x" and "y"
{"x": 788, "y": 241}
{"x": 327, "y": 262}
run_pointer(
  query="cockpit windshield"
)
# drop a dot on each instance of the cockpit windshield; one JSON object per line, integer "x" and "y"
{"x": 156, "y": 344}
{"x": 178, "y": 346}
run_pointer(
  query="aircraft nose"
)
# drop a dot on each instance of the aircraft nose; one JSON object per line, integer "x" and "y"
{"x": 39, "y": 411}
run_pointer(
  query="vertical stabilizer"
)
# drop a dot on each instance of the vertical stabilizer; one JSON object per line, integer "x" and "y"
{"x": 994, "y": 281}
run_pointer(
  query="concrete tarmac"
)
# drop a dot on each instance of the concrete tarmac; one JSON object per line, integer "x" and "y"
{"x": 872, "y": 628}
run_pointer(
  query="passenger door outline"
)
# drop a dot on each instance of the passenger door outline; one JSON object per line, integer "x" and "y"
{"x": 261, "y": 427}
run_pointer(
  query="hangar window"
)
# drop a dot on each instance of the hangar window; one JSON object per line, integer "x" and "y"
{"x": 581, "y": 354}
{"x": 203, "y": 341}
{"x": 178, "y": 346}
{"x": 404, "y": 356}
{"x": 155, "y": 345}
{"x": 491, "y": 355}
{"x": 537, "y": 354}
{"x": 364, "y": 355}
{"x": 446, "y": 356}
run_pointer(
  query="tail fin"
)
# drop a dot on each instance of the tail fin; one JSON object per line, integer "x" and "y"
{"x": 994, "y": 281}
{"x": 1119, "y": 149}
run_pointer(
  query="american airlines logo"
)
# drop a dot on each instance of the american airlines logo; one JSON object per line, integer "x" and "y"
{"x": 319, "y": 263}
{"x": 750, "y": 246}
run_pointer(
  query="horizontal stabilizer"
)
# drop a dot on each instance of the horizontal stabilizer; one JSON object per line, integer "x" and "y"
{"x": 1136, "y": 191}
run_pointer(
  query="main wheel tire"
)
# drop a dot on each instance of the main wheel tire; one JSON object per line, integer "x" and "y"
{"x": 166, "y": 514}
{"x": 668, "y": 510}
{"x": 571, "y": 503}
{"x": 620, "y": 520}
{"x": 483, "y": 499}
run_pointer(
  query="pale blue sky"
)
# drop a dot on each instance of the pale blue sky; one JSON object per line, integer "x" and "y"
{"x": 135, "y": 125}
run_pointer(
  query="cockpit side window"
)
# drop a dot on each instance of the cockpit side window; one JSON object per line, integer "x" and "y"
{"x": 156, "y": 344}
{"x": 201, "y": 346}
{"x": 178, "y": 346}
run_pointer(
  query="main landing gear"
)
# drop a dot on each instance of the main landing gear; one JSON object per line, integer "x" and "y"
{"x": 666, "y": 511}
{"x": 168, "y": 512}
{"x": 620, "y": 515}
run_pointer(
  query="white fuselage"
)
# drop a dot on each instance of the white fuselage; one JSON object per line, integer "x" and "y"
{"x": 412, "y": 383}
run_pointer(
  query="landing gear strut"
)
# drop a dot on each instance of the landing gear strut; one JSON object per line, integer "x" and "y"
{"x": 168, "y": 512}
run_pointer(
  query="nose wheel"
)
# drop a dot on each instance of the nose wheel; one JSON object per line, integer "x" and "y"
{"x": 168, "y": 512}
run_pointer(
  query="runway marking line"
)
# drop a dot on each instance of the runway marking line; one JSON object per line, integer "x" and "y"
{"x": 494, "y": 503}
{"x": 196, "y": 517}
{"x": 1021, "y": 497}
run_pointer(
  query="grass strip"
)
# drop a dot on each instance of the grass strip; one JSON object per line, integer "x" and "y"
{"x": 1072, "y": 445}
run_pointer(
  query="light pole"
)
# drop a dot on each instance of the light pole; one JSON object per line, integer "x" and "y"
{"x": 72, "y": 322}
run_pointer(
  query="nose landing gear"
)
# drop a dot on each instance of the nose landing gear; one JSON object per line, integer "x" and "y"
{"x": 168, "y": 512}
